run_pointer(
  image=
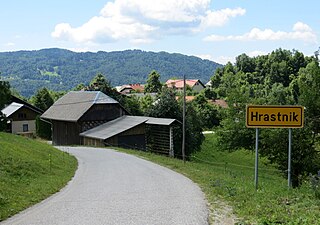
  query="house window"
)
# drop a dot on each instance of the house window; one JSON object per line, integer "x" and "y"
{"x": 25, "y": 128}
{"x": 22, "y": 116}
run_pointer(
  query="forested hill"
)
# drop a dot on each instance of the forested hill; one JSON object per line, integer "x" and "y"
{"x": 60, "y": 69}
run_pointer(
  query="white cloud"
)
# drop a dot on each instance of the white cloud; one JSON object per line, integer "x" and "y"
{"x": 256, "y": 53}
{"x": 159, "y": 10}
{"x": 101, "y": 29}
{"x": 300, "y": 32}
{"x": 220, "y": 59}
{"x": 224, "y": 59}
{"x": 10, "y": 44}
{"x": 205, "y": 56}
{"x": 220, "y": 17}
{"x": 141, "y": 21}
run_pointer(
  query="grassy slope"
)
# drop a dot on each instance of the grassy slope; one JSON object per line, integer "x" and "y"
{"x": 30, "y": 171}
{"x": 230, "y": 177}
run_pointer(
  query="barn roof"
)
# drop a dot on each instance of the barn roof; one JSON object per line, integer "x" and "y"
{"x": 122, "y": 124}
{"x": 114, "y": 127}
{"x": 74, "y": 104}
{"x": 159, "y": 121}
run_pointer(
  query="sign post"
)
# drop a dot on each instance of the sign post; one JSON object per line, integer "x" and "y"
{"x": 289, "y": 159}
{"x": 266, "y": 116}
{"x": 256, "y": 160}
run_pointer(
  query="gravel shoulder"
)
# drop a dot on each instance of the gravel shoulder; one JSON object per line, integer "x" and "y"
{"x": 115, "y": 188}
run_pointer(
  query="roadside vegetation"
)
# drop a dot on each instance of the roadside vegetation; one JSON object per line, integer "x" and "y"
{"x": 228, "y": 177}
{"x": 30, "y": 171}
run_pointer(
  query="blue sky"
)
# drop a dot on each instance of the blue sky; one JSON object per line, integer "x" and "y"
{"x": 211, "y": 29}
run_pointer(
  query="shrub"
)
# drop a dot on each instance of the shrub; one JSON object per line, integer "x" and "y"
{"x": 315, "y": 184}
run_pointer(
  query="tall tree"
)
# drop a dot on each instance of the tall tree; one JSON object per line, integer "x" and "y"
{"x": 4, "y": 98}
{"x": 5, "y": 93}
{"x": 309, "y": 83}
{"x": 145, "y": 103}
{"x": 101, "y": 83}
{"x": 168, "y": 107}
{"x": 208, "y": 114}
{"x": 153, "y": 83}
{"x": 42, "y": 99}
{"x": 245, "y": 64}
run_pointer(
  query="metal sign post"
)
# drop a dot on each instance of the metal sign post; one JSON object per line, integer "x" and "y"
{"x": 256, "y": 160}
{"x": 289, "y": 158}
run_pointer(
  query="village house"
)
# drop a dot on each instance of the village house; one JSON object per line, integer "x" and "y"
{"x": 21, "y": 117}
{"x": 130, "y": 88}
{"x": 196, "y": 85}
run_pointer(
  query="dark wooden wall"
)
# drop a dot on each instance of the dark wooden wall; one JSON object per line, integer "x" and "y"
{"x": 65, "y": 133}
{"x": 28, "y": 114}
{"x": 99, "y": 114}
{"x": 158, "y": 139}
{"x": 104, "y": 112}
{"x": 92, "y": 142}
{"x": 133, "y": 138}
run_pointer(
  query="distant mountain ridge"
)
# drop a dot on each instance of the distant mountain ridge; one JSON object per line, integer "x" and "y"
{"x": 60, "y": 69}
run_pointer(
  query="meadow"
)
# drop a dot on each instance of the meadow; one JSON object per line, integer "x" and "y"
{"x": 30, "y": 171}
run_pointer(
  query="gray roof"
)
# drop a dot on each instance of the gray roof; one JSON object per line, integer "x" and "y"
{"x": 159, "y": 121}
{"x": 114, "y": 127}
{"x": 74, "y": 104}
{"x": 12, "y": 108}
{"x": 122, "y": 124}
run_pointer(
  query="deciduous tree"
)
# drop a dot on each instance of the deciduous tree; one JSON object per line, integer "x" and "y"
{"x": 4, "y": 98}
{"x": 42, "y": 99}
{"x": 153, "y": 83}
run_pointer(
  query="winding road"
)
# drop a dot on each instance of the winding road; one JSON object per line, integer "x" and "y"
{"x": 114, "y": 188}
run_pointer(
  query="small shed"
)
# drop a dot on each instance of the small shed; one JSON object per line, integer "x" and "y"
{"x": 135, "y": 132}
{"x": 79, "y": 111}
{"x": 21, "y": 118}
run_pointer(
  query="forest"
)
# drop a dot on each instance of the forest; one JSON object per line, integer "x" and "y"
{"x": 60, "y": 69}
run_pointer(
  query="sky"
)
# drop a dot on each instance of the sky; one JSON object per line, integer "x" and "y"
{"x": 209, "y": 29}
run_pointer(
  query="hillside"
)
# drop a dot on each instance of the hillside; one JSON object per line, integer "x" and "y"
{"x": 60, "y": 69}
{"x": 30, "y": 171}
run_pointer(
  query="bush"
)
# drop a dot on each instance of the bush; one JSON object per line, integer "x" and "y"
{"x": 43, "y": 129}
{"x": 315, "y": 184}
{"x": 3, "y": 122}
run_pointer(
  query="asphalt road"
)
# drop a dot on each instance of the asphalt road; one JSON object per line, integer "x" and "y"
{"x": 115, "y": 188}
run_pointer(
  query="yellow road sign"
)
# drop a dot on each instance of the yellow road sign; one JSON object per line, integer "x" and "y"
{"x": 265, "y": 116}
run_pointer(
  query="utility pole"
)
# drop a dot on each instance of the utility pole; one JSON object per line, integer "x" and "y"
{"x": 184, "y": 120}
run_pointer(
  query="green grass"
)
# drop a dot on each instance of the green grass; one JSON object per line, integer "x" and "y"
{"x": 229, "y": 177}
{"x": 48, "y": 73}
{"x": 30, "y": 171}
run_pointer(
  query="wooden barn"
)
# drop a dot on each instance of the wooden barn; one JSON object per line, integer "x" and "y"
{"x": 79, "y": 111}
{"x": 134, "y": 132}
